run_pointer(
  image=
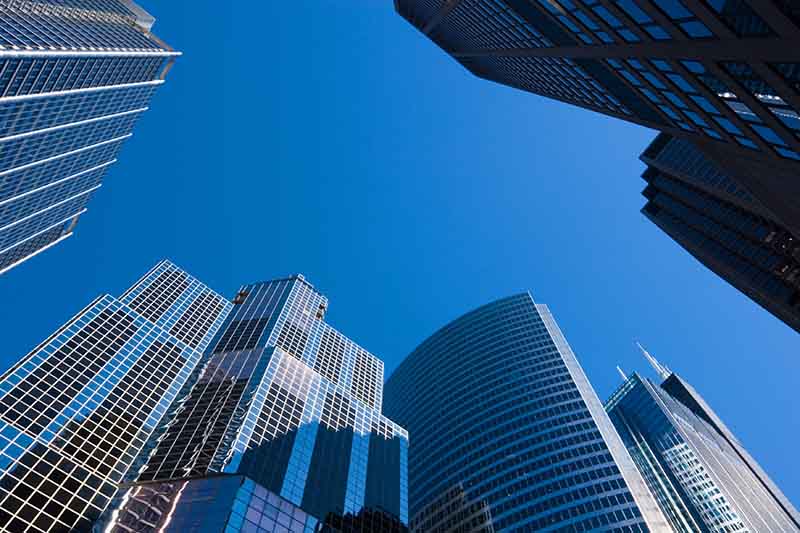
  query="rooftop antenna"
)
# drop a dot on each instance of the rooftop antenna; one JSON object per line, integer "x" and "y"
{"x": 660, "y": 369}
{"x": 622, "y": 373}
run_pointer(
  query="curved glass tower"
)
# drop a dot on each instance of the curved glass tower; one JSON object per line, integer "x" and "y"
{"x": 496, "y": 402}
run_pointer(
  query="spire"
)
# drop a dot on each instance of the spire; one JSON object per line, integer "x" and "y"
{"x": 660, "y": 369}
{"x": 621, "y": 373}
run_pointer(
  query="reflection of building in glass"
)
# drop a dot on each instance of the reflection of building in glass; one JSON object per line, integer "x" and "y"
{"x": 453, "y": 513}
{"x": 724, "y": 74}
{"x": 697, "y": 203}
{"x": 702, "y": 477}
{"x": 76, "y": 411}
{"x": 74, "y": 78}
{"x": 496, "y": 401}
{"x": 287, "y": 401}
{"x": 366, "y": 521}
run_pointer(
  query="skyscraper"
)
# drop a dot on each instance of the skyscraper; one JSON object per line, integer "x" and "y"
{"x": 497, "y": 403}
{"x": 76, "y": 411}
{"x": 723, "y": 73}
{"x": 75, "y": 75}
{"x": 703, "y": 477}
{"x": 696, "y": 202}
{"x": 280, "y": 425}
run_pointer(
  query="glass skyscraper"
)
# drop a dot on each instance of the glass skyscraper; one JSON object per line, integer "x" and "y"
{"x": 703, "y": 477}
{"x": 695, "y": 201}
{"x": 76, "y": 411}
{"x": 75, "y": 75}
{"x": 497, "y": 404}
{"x": 279, "y": 426}
{"x": 723, "y": 73}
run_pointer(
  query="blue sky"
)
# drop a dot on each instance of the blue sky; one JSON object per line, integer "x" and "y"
{"x": 332, "y": 139}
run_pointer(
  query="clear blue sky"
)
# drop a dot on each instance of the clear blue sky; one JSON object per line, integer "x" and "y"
{"x": 331, "y": 138}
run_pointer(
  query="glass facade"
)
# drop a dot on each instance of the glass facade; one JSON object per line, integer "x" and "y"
{"x": 76, "y": 411}
{"x": 74, "y": 78}
{"x": 452, "y": 512}
{"x": 701, "y": 475}
{"x": 719, "y": 222}
{"x": 714, "y": 70}
{"x": 497, "y": 403}
{"x": 284, "y": 399}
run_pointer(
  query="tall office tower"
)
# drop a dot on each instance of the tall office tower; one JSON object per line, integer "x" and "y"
{"x": 452, "y": 512}
{"x": 702, "y": 476}
{"x": 725, "y": 73}
{"x": 75, "y": 75}
{"x": 497, "y": 402}
{"x": 281, "y": 422}
{"x": 76, "y": 411}
{"x": 697, "y": 203}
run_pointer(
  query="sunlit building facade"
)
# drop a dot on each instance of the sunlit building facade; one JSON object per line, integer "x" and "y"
{"x": 697, "y": 203}
{"x": 75, "y": 76}
{"x": 724, "y": 73}
{"x": 497, "y": 404}
{"x": 77, "y": 410}
{"x": 286, "y": 405}
{"x": 703, "y": 478}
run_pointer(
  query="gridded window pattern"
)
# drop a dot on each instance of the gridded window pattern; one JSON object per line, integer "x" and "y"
{"x": 36, "y": 25}
{"x": 76, "y": 411}
{"x": 451, "y": 512}
{"x": 678, "y": 12}
{"x": 30, "y": 246}
{"x": 682, "y": 157}
{"x": 367, "y": 374}
{"x": 158, "y": 296}
{"x": 198, "y": 434}
{"x": 193, "y": 325}
{"x": 242, "y": 335}
{"x": 419, "y": 12}
{"x": 486, "y": 25}
{"x": 22, "y": 150}
{"x": 64, "y": 166}
{"x": 30, "y": 114}
{"x": 54, "y": 215}
{"x": 720, "y": 485}
{"x": 43, "y": 393}
{"x": 228, "y": 504}
{"x": 555, "y": 77}
{"x": 492, "y": 403}
{"x": 741, "y": 18}
{"x": 257, "y": 510}
{"x": 744, "y": 112}
{"x": 36, "y": 201}
{"x": 293, "y": 339}
{"x": 751, "y": 252}
{"x": 296, "y": 400}
{"x": 712, "y": 505}
{"x": 302, "y": 332}
{"x": 23, "y": 76}
{"x": 330, "y": 355}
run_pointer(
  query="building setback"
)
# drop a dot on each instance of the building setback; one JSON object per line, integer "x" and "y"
{"x": 723, "y": 73}
{"x": 75, "y": 76}
{"x": 695, "y": 201}
{"x": 496, "y": 401}
{"x": 281, "y": 423}
{"x": 703, "y": 477}
{"x": 76, "y": 411}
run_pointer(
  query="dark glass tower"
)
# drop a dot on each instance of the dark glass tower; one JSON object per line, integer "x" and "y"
{"x": 702, "y": 476}
{"x": 496, "y": 401}
{"x": 280, "y": 425}
{"x": 723, "y": 73}
{"x": 75, "y": 76}
{"x": 76, "y": 411}
{"x": 697, "y": 203}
